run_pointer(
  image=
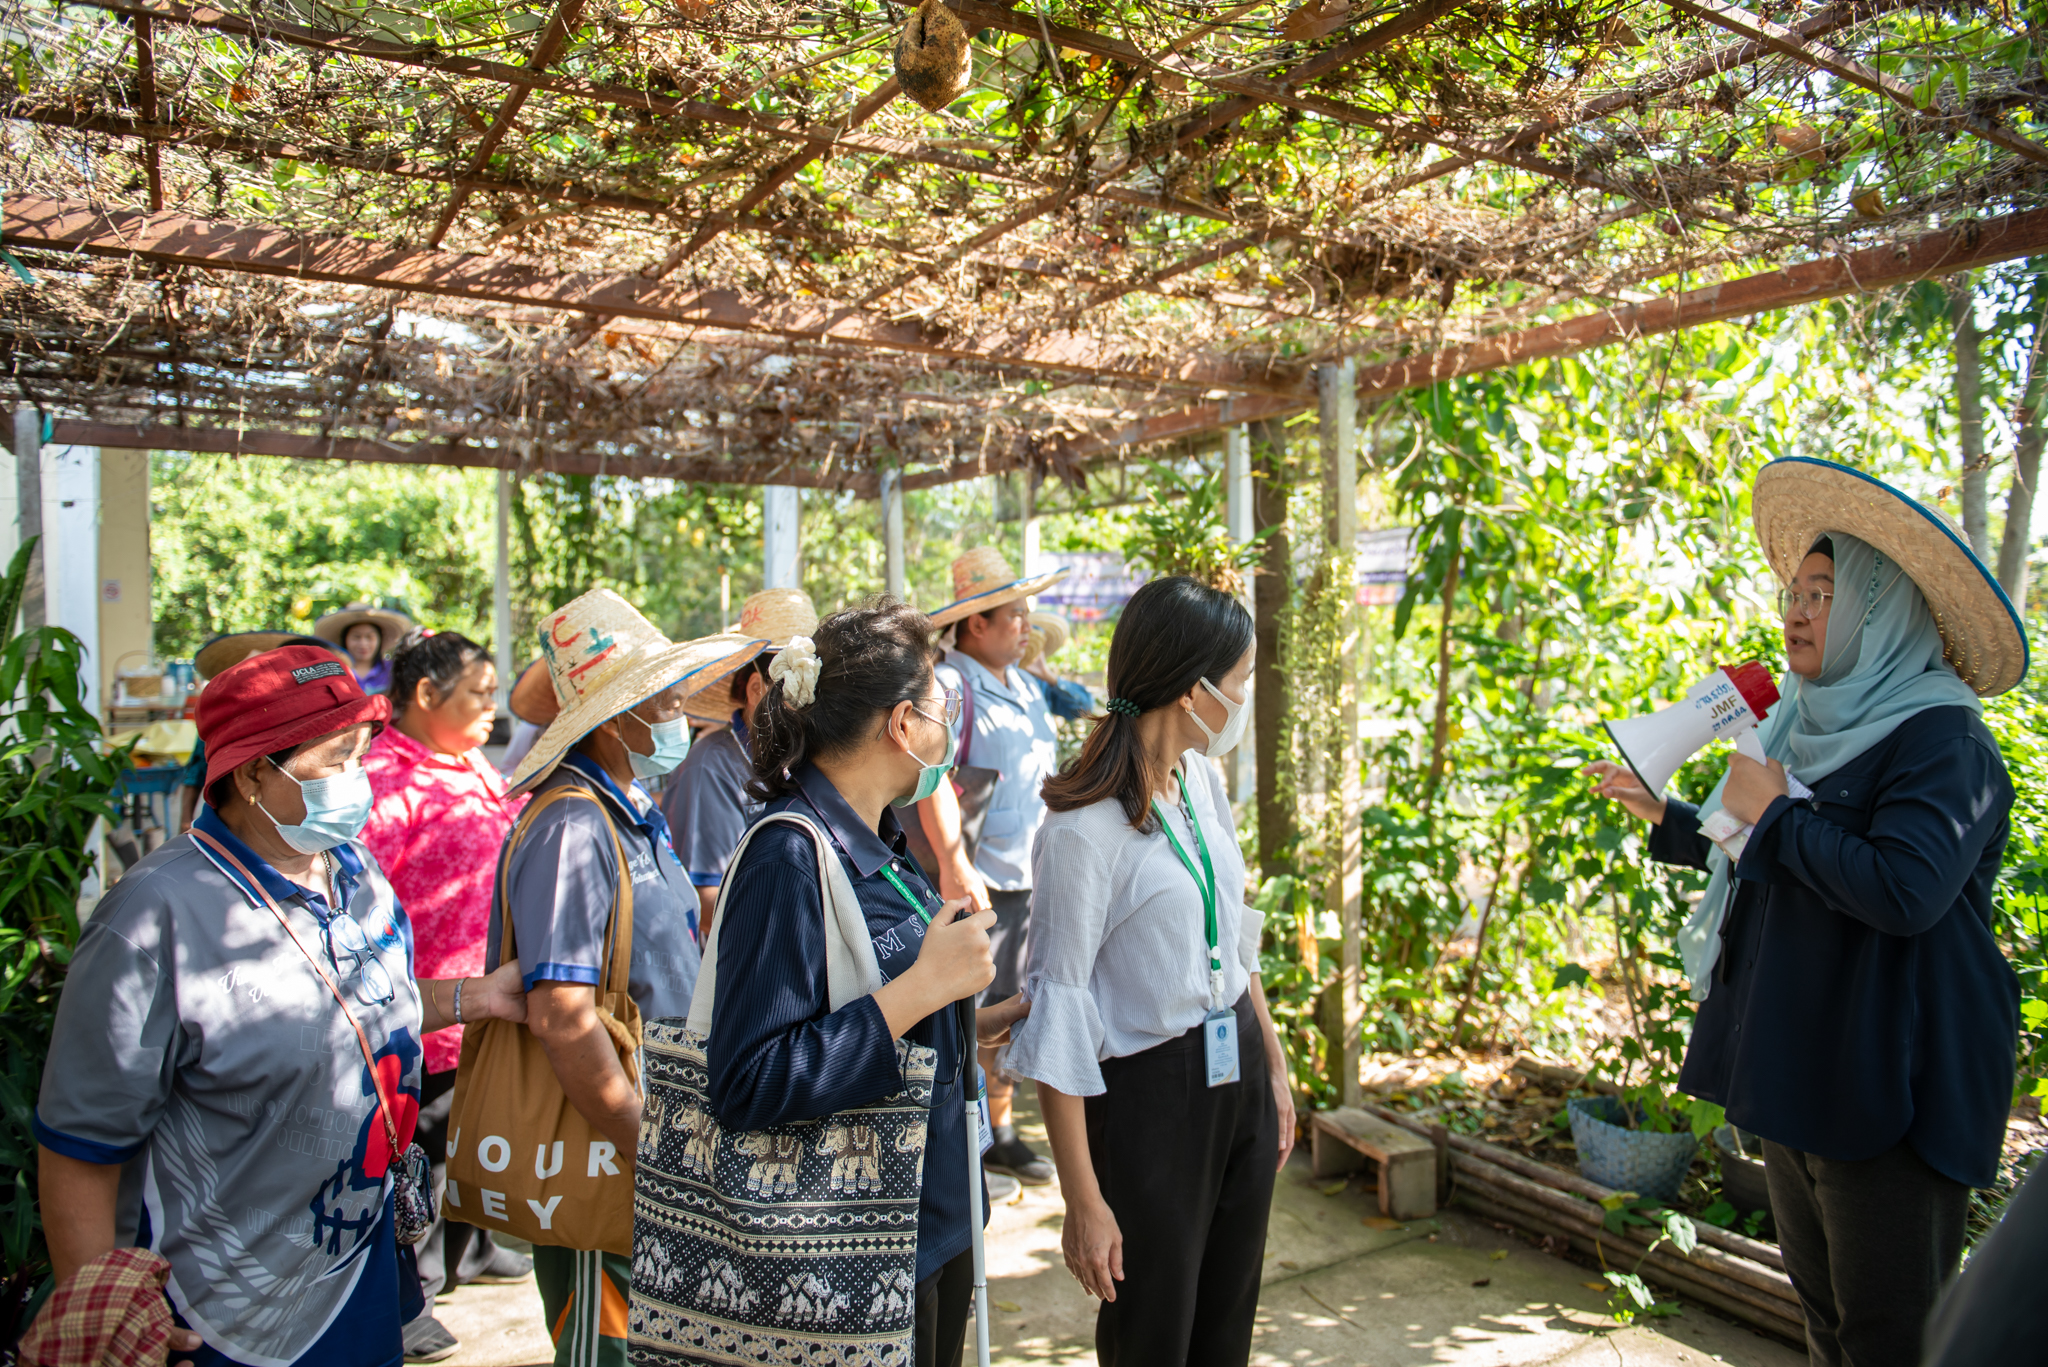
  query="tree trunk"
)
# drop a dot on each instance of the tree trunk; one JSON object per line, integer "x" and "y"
{"x": 1270, "y": 587}
{"x": 2019, "y": 506}
{"x": 1441, "y": 737}
{"x": 1970, "y": 415}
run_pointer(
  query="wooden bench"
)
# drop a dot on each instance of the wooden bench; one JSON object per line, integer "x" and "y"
{"x": 1345, "y": 1140}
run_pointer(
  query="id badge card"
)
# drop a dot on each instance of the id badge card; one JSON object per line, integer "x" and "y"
{"x": 988, "y": 1129}
{"x": 1219, "y": 1044}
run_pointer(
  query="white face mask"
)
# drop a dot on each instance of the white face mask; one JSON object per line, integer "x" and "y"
{"x": 1236, "y": 716}
{"x": 337, "y": 809}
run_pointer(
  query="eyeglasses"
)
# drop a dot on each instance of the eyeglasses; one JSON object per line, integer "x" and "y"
{"x": 949, "y": 711}
{"x": 1808, "y": 605}
{"x": 346, "y": 941}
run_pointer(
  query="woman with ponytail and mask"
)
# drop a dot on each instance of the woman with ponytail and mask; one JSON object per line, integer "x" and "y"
{"x": 1162, "y": 1081}
{"x": 853, "y": 729}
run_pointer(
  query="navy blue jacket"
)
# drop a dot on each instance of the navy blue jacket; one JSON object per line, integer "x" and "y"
{"x": 779, "y": 1054}
{"x": 1861, "y": 999}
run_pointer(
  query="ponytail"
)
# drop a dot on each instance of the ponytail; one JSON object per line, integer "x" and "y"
{"x": 870, "y": 658}
{"x": 1174, "y": 633}
{"x": 440, "y": 658}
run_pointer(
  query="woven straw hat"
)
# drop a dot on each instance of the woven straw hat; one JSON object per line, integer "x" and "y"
{"x": 605, "y": 658}
{"x": 226, "y": 651}
{"x": 982, "y": 579}
{"x": 772, "y": 614}
{"x": 1799, "y": 500}
{"x": 334, "y": 626}
{"x": 532, "y": 698}
{"x": 1049, "y": 635}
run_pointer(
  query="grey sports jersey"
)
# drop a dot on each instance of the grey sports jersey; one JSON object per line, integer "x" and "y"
{"x": 196, "y": 1045}
{"x": 707, "y": 805}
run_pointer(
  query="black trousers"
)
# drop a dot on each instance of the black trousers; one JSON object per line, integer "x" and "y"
{"x": 1187, "y": 1169}
{"x": 943, "y": 1300}
{"x": 451, "y": 1253}
{"x": 1869, "y": 1246}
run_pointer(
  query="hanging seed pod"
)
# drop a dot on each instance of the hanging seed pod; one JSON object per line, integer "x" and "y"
{"x": 933, "y": 60}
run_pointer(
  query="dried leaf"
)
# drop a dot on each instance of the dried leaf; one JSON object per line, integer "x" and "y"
{"x": 1497, "y": 1254}
{"x": 240, "y": 94}
{"x": 1333, "y": 1188}
{"x": 1007, "y": 1307}
{"x": 1869, "y": 203}
{"x": 1381, "y": 1222}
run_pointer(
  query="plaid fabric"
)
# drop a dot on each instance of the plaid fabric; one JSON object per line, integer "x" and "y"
{"x": 112, "y": 1314}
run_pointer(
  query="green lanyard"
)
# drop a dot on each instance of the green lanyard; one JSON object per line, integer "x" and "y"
{"x": 916, "y": 904}
{"x": 1206, "y": 888}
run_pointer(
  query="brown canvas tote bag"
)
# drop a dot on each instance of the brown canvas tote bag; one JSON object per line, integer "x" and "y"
{"x": 521, "y": 1159}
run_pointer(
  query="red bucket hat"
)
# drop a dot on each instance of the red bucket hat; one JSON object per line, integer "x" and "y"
{"x": 275, "y": 700}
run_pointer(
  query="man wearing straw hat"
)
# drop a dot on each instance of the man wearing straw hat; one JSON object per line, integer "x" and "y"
{"x": 1006, "y": 726}
{"x": 706, "y": 800}
{"x": 623, "y": 689}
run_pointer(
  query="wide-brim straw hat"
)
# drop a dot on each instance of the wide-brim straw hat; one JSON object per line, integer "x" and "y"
{"x": 1798, "y": 500}
{"x": 604, "y": 658}
{"x": 391, "y": 625}
{"x": 231, "y": 648}
{"x": 775, "y": 615}
{"x": 532, "y": 697}
{"x": 983, "y": 579}
{"x": 1049, "y": 635}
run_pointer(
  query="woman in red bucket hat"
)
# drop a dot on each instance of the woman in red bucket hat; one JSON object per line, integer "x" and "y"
{"x": 241, "y": 1027}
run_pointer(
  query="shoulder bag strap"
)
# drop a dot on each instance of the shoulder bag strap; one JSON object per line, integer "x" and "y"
{"x": 508, "y": 949}
{"x": 369, "y": 1059}
{"x": 855, "y": 972}
{"x": 964, "y": 758}
{"x": 612, "y": 976}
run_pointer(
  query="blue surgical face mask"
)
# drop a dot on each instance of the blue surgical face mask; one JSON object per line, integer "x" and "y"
{"x": 671, "y": 745}
{"x": 337, "y": 809}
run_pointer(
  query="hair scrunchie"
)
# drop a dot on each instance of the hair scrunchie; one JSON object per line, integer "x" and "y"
{"x": 796, "y": 668}
{"x": 1123, "y": 707}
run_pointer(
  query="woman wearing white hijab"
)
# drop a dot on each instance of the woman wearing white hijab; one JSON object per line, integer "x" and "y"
{"x": 1856, "y": 1012}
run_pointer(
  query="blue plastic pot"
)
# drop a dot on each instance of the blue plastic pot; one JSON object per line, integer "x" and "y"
{"x": 1641, "y": 1161}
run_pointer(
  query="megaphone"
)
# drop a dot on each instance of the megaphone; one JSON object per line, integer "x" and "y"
{"x": 1726, "y": 705}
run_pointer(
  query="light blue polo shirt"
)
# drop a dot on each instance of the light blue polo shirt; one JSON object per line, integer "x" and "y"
{"x": 1013, "y": 734}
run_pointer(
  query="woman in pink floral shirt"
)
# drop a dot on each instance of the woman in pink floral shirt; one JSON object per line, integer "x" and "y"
{"x": 440, "y": 815}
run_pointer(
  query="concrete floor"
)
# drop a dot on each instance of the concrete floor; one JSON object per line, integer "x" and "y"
{"x": 1341, "y": 1289}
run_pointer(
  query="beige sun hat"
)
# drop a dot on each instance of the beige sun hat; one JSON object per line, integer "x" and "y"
{"x": 1049, "y": 635}
{"x": 775, "y": 615}
{"x": 1798, "y": 500}
{"x": 983, "y": 579}
{"x": 532, "y": 698}
{"x": 605, "y": 658}
{"x": 391, "y": 625}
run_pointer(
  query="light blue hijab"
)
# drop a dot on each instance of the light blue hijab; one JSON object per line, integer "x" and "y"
{"x": 1881, "y": 663}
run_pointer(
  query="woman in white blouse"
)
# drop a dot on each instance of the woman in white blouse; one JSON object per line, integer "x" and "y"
{"x": 1165, "y": 1092}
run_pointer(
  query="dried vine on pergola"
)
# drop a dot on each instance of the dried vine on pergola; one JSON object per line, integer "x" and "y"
{"x": 702, "y": 237}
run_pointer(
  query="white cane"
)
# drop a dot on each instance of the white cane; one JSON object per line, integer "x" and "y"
{"x": 974, "y": 1224}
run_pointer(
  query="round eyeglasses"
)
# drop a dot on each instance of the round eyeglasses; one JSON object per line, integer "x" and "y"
{"x": 1807, "y": 605}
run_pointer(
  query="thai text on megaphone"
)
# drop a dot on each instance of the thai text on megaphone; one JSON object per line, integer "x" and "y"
{"x": 1726, "y": 704}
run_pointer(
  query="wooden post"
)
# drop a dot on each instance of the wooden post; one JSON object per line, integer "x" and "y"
{"x": 1337, "y": 388}
{"x": 1237, "y": 486}
{"x": 1269, "y": 598}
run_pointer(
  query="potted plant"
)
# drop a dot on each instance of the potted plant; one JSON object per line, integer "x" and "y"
{"x": 1742, "y": 1170}
{"x": 1631, "y": 1143}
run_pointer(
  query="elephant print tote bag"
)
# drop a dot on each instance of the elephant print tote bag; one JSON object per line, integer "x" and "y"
{"x": 794, "y": 1246}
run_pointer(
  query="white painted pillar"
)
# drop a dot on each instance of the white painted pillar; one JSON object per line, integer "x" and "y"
{"x": 896, "y": 578}
{"x": 501, "y": 596}
{"x": 781, "y": 537}
{"x": 28, "y": 510}
{"x": 1337, "y": 391}
{"x": 71, "y": 540}
{"x": 1027, "y": 514}
{"x": 1237, "y": 492}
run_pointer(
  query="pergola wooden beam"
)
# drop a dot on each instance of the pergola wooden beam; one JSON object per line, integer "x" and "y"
{"x": 1821, "y": 57}
{"x": 297, "y": 446}
{"x": 1939, "y": 253}
{"x": 174, "y": 239}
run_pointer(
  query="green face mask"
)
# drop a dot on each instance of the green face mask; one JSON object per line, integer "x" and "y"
{"x": 928, "y": 776}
